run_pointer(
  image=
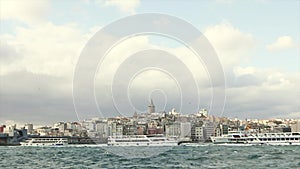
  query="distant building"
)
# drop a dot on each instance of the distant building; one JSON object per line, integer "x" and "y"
{"x": 151, "y": 107}
{"x": 29, "y": 127}
{"x": 185, "y": 129}
{"x": 203, "y": 113}
{"x": 102, "y": 129}
{"x": 295, "y": 127}
{"x": 2, "y": 127}
{"x": 141, "y": 130}
{"x": 173, "y": 130}
{"x": 197, "y": 131}
{"x": 224, "y": 129}
{"x": 119, "y": 130}
{"x": 208, "y": 130}
{"x": 129, "y": 129}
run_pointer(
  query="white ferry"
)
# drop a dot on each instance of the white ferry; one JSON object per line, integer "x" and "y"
{"x": 45, "y": 141}
{"x": 141, "y": 140}
{"x": 290, "y": 138}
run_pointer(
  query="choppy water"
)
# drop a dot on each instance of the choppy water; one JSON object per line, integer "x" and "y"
{"x": 208, "y": 156}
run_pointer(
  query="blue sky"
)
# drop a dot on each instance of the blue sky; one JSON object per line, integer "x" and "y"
{"x": 258, "y": 43}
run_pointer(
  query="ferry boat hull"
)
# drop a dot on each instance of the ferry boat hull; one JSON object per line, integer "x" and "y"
{"x": 49, "y": 141}
{"x": 259, "y": 139}
{"x": 141, "y": 140}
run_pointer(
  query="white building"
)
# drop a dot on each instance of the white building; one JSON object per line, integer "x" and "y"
{"x": 295, "y": 127}
{"x": 89, "y": 125}
{"x": 202, "y": 113}
{"x": 29, "y": 128}
{"x": 102, "y": 129}
{"x": 209, "y": 130}
{"x": 173, "y": 130}
{"x": 62, "y": 126}
{"x": 114, "y": 129}
{"x": 185, "y": 130}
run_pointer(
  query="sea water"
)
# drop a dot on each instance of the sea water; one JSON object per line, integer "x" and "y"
{"x": 195, "y": 156}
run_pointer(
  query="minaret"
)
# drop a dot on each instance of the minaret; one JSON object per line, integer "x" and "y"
{"x": 151, "y": 107}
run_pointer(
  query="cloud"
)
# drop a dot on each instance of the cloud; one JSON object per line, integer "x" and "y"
{"x": 38, "y": 63}
{"x": 30, "y": 11}
{"x": 232, "y": 45}
{"x": 263, "y": 93}
{"x": 282, "y": 43}
{"x": 30, "y": 97}
{"x": 8, "y": 54}
{"x": 46, "y": 49}
{"x": 225, "y": 1}
{"x": 128, "y": 6}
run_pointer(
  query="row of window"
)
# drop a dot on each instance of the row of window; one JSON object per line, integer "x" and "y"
{"x": 278, "y": 139}
{"x": 131, "y": 140}
{"x": 268, "y": 139}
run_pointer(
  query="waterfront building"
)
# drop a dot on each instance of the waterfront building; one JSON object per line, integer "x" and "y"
{"x": 2, "y": 127}
{"x": 62, "y": 126}
{"x": 102, "y": 129}
{"x": 141, "y": 128}
{"x": 119, "y": 130}
{"x": 295, "y": 127}
{"x": 185, "y": 129}
{"x": 173, "y": 129}
{"x": 208, "y": 130}
{"x": 130, "y": 129}
{"x": 197, "y": 131}
{"x": 43, "y": 131}
{"x": 224, "y": 129}
{"x": 89, "y": 125}
{"x": 29, "y": 127}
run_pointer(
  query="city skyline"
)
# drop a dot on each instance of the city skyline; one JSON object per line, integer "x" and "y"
{"x": 41, "y": 42}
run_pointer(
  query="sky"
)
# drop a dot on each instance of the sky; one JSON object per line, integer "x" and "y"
{"x": 43, "y": 44}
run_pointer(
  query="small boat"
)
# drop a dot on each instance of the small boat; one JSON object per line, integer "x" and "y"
{"x": 45, "y": 141}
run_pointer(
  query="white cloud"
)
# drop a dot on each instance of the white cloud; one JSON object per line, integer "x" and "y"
{"x": 128, "y": 6}
{"x": 45, "y": 49}
{"x": 239, "y": 71}
{"x": 49, "y": 54}
{"x": 30, "y": 11}
{"x": 282, "y": 43}
{"x": 225, "y": 1}
{"x": 232, "y": 45}
{"x": 263, "y": 93}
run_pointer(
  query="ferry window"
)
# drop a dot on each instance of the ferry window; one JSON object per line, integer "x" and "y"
{"x": 296, "y": 138}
